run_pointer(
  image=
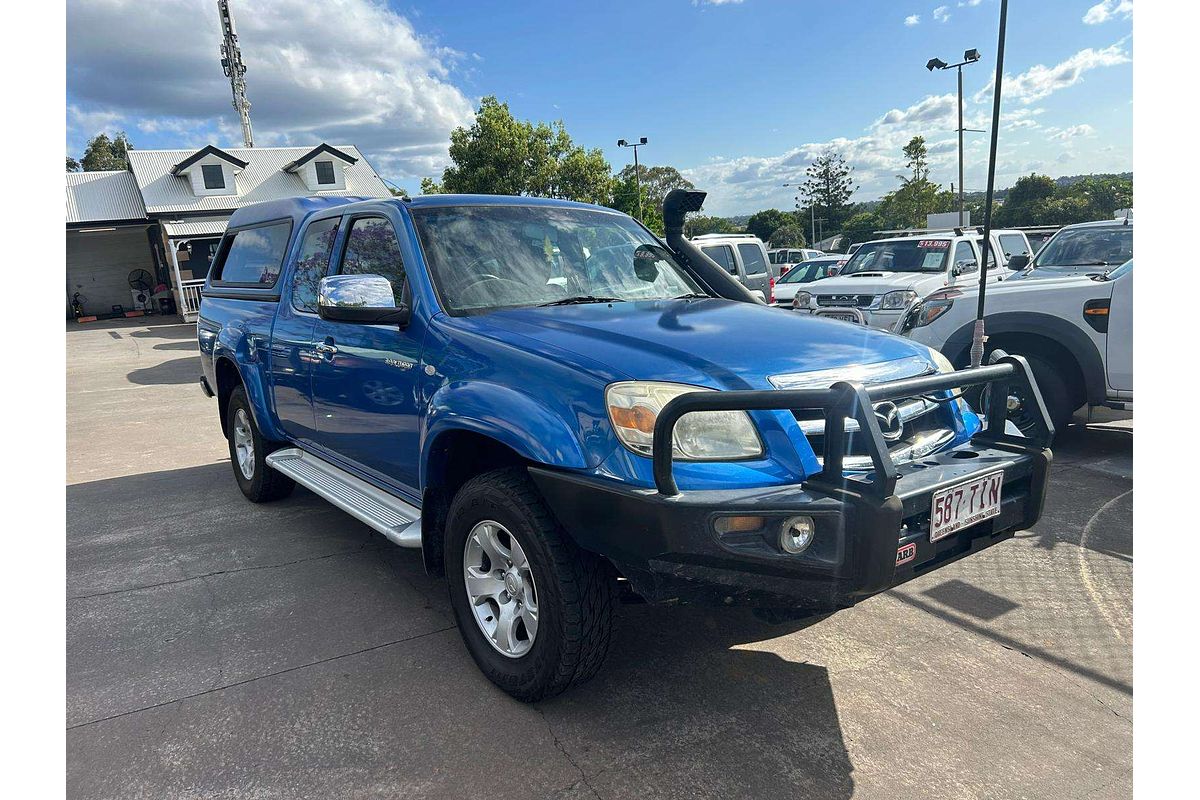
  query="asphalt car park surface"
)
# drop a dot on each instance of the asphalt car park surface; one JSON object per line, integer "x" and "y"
{"x": 216, "y": 648}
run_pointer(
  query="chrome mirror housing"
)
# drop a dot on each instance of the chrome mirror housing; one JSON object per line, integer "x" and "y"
{"x": 360, "y": 298}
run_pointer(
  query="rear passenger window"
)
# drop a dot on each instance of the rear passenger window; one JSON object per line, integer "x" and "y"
{"x": 254, "y": 257}
{"x": 723, "y": 255}
{"x": 372, "y": 249}
{"x": 752, "y": 259}
{"x": 313, "y": 263}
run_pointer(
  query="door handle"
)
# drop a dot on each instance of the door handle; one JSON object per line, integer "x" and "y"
{"x": 327, "y": 349}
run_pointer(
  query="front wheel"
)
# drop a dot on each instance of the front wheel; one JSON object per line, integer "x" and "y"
{"x": 1055, "y": 394}
{"x": 534, "y": 610}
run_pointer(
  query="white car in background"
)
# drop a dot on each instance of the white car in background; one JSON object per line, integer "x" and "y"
{"x": 802, "y": 276}
{"x": 1075, "y": 330}
{"x": 785, "y": 258}
{"x": 886, "y": 276}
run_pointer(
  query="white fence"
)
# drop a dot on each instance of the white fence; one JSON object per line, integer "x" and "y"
{"x": 189, "y": 293}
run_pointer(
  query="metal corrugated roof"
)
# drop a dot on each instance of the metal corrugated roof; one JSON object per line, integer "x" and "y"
{"x": 191, "y": 228}
{"x": 108, "y": 196}
{"x": 262, "y": 179}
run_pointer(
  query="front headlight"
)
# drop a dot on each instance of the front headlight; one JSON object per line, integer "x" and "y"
{"x": 934, "y": 306}
{"x": 897, "y": 299}
{"x": 633, "y": 408}
{"x": 943, "y": 365}
{"x": 801, "y": 300}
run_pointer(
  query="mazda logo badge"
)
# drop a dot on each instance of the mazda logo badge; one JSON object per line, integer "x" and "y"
{"x": 888, "y": 417}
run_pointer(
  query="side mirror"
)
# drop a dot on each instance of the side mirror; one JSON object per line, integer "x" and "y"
{"x": 360, "y": 298}
{"x": 965, "y": 265}
{"x": 833, "y": 271}
{"x": 1018, "y": 262}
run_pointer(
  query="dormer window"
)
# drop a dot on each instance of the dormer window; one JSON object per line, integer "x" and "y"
{"x": 214, "y": 176}
{"x": 325, "y": 173}
{"x": 322, "y": 169}
{"x": 211, "y": 171}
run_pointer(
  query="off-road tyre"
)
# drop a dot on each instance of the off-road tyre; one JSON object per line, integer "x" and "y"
{"x": 576, "y": 590}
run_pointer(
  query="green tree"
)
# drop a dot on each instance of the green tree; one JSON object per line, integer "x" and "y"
{"x": 699, "y": 225}
{"x": 828, "y": 187}
{"x": 1101, "y": 194}
{"x": 917, "y": 197}
{"x": 73, "y": 165}
{"x": 656, "y": 181}
{"x": 861, "y": 227}
{"x": 764, "y": 223}
{"x": 917, "y": 155}
{"x": 790, "y": 235}
{"x": 1026, "y": 201}
{"x": 499, "y": 154}
{"x": 625, "y": 200}
{"x": 103, "y": 153}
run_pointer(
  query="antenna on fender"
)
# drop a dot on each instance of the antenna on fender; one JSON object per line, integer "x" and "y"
{"x": 979, "y": 339}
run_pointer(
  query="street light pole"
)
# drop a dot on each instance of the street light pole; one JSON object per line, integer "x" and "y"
{"x": 637, "y": 170}
{"x": 969, "y": 57}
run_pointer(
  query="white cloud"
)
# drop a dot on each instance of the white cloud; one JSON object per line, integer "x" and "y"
{"x": 1108, "y": 10}
{"x": 1040, "y": 81}
{"x": 1074, "y": 131}
{"x": 971, "y": 3}
{"x": 941, "y": 14}
{"x": 912, "y": 19}
{"x": 716, "y": 2}
{"x": 370, "y": 79}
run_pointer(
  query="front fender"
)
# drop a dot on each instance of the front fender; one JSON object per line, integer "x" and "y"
{"x": 517, "y": 420}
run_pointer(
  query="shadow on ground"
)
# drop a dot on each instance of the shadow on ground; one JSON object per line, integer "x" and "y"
{"x": 175, "y": 371}
{"x": 196, "y": 612}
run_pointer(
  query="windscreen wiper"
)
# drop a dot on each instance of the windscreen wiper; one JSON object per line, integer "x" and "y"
{"x": 691, "y": 296}
{"x": 580, "y": 300}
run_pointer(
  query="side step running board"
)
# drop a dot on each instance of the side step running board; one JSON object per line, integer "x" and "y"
{"x": 386, "y": 513}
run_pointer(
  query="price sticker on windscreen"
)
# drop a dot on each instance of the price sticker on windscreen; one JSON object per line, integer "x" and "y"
{"x": 934, "y": 244}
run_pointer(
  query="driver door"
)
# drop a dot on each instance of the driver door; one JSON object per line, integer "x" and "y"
{"x": 365, "y": 380}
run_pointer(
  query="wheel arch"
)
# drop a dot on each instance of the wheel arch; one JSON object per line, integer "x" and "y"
{"x": 1051, "y": 338}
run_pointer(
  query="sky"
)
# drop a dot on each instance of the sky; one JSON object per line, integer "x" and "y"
{"x": 739, "y": 95}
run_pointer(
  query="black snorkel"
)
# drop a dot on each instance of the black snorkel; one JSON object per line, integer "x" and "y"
{"x": 711, "y": 274}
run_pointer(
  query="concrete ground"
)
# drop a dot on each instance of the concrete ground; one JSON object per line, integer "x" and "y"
{"x": 220, "y": 649}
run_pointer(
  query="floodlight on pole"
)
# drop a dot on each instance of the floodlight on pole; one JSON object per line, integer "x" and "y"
{"x": 637, "y": 170}
{"x": 969, "y": 57}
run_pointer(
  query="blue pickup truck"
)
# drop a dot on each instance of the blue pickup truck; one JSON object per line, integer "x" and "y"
{"x": 561, "y": 410}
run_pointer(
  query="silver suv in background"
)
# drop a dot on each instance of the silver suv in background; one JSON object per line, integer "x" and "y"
{"x": 743, "y": 256}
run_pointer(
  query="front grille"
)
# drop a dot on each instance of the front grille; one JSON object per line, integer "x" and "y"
{"x": 859, "y": 300}
{"x": 926, "y": 429}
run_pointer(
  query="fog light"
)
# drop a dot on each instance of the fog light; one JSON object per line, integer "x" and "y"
{"x": 797, "y": 534}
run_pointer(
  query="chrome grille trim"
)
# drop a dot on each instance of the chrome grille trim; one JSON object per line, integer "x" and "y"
{"x": 909, "y": 367}
{"x": 922, "y": 445}
{"x": 909, "y": 410}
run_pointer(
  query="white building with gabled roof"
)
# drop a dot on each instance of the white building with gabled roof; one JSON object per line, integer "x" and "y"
{"x": 167, "y": 212}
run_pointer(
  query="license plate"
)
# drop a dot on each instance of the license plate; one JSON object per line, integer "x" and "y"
{"x": 972, "y": 501}
{"x": 842, "y": 317}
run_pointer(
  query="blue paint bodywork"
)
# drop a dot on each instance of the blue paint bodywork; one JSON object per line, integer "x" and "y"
{"x": 532, "y": 379}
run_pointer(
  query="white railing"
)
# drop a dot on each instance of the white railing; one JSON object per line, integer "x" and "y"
{"x": 189, "y": 292}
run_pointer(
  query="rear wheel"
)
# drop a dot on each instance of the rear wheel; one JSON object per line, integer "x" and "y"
{"x": 248, "y": 452}
{"x": 534, "y": 610}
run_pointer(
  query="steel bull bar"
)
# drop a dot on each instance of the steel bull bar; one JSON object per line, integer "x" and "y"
{"x": 846, "y": 399}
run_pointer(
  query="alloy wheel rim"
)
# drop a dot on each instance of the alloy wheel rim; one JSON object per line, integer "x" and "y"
{"x": 243, "y": 443}
{"x": 500, "y": 588}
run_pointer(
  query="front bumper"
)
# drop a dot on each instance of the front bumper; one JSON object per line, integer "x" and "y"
{"x": 668, "y": 548}
{"x": 872, "y": 317}
{"x": 666, "y": 542}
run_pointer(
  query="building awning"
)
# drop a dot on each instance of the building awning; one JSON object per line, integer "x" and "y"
{"x": 194, "y": 228}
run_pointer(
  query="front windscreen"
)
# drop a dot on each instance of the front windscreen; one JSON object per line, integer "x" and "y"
{"x": 489, "y": 257}
{"x": 906, "y": 255}
{"x": 1088, "y": 247}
